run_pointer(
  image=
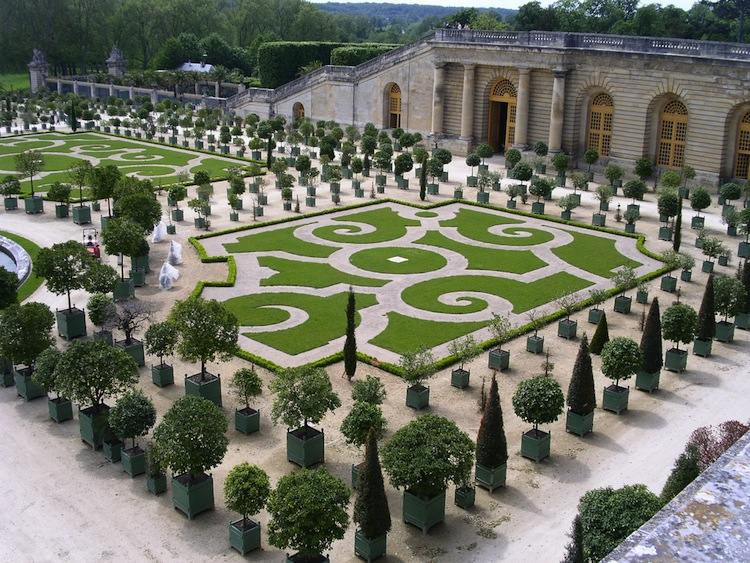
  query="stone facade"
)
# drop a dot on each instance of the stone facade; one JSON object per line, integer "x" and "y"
{"x": 446, "y": 81}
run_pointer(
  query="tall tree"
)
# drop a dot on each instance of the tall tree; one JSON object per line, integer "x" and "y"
{"x": 601, "y": 335}
{"x": 677, "y": 240}
{"x": 371, "y": 510}
{"x": 707, "y": 312}
{"x": 492, "y": 447}
{"x": 651, "y": 345}
{"x": 350, "y": 345}
{"x": 581, "y": 394}
{"x": 423, "y": 178}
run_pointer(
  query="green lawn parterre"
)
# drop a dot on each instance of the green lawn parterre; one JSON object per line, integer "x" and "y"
{"x": 494, "y": 269}
{"x": 33, "y": 281}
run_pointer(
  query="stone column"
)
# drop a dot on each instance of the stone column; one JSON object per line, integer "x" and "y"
{"x": 557, "y": 111}
{"x": 131, "y": 93}
{"x": 467, "y": 103}
{"x": 75, "y": 87}
{"x": 154, "y": 97}
{"x": 112, "y": 90}
{"x": 59, "y": 87}
{"x": 438, "y": 97}
{"x": 522, "y": 109}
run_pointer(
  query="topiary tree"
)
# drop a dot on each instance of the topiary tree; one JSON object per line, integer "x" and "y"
{"x": 308, "y": 511}
{"x": 538, "y": 400}
{"x": 25, "y": 333}
{"x": 246, "y": 491}
{"x": 484, "y": 151}
{"x": 621, "y": 359}
{"x": 651, "y": 346}
{"x": 371, "y": 512}
{"x": 540, "y": 188}
{"x": 402, "y": 164}
{"x": 706, "y": 321}
{"x": 191, "y": 438}
{"x": 303, "y": 395}
{"x": 581, "y": 395}
{"x": 729, "y": 294}
{"x": 512, "y": 157}
{"x": 133, "y": 416}
{"x": 350, "y": 344}
{"x": 561, "y": 161}
{"x": 644, "y": 169}
{"x": 678, "y": 324}
{"x": 590, "y": 157}
{"x": 677, "y": 241}
{"x": 363, "y": 418}
{"x": 65, "y": 266}
{"x": 492, "y": 447}
{"x": 634, "y": 189}
{"x": 669, "y": 204}
{"x": 427, "y": 454}
{"x": 473, "y": 160}
{"x": 206, "y": 330}
{"x": 369, "y": 390}
{"x": 613, "y": 173}
{"x": 161, "y": 340}
{"x": 730, "y": 191}
{"x": 700, "y": 199}
{"x": 601, "y": 335}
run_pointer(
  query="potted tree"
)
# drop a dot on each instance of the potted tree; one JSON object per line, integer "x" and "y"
{"x": 363, "y": 418}
{"x": 742, "y": 318}
{"x": 538, "y": 400}
{"x": 651, "y": 351}
{"x": 371, "y": 512}
{"x": 104, "y": 180}
{"x": 561, "y": 161}
{"x": 60, "y": 408}
{"x": 540, "y": 188}
{"x": 743, "y": 249}
{"x": 177, "y": 193}
{"x": 669, "y": 205}
{"x": 512, "y": 157}
{"x": 483, "y": 151}
{"x": 686, "y": 263}
{"x": 540, "y": 150}
{"x": 65, "y": 266}
{"x": 124, "y": 238}
{"x": 581, "y": 396}
{"x": 687, "y": 173}
{"x": 156, "y": 478}
{"x": 596, "y": 298}
{"x": 102, "y": 314}
{"x": 623, "y": 279}
{"x": 89, "y": 372}
{"x": 246, "y": 490}
{"x": 621, "y": 359}
{"x": 60, "y": 193}
{"x": 10, "y": 188}
{"x": 513, "y": 192}
{"x": 131, "y": 316}
{"x": 463, "y": 350}
{"x": 303, "y": 395}
{"x": 567, "y": 327}
{"x": 729, "y": 293}
{"x": 671, "y": 261}
{"x": 161, "y": 340}
{"x": 299, "y": 520}
{"x": 535, "y": 343}
{"x": 699, "y": 201}
{"x": 423, "y": 457}
{"x": 202, "y": 209}
{"x": 567, "y": 203}
{"x": 631, "y": 216}
{"x": 191, "y": 440}
{"x": 472, "y": 161}
{"x": 706, "y": 323}
{"x": 24, "y": 334}
{"x": 634, "y": 189}
{"x": 678, "y": 324}
{"x": 614, "y": 174}
{"x": 590, "y": 157}
{"x": 245, "y": 385}
{"x": 29, "y": 164}
{"x": 601, "y": 335}
{"x": 492, "y": 448}
{"x": 133, "y": 416}
{"x": 729, "y": 193}
{"x": 417, "y": 366}
{"x": 712, "y": 248}
{"x": 206, "y": 332}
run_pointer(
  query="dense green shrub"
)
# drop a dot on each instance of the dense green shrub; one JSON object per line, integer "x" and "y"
{"x": 353, "y": 55}
{"x": 683, "y": 473}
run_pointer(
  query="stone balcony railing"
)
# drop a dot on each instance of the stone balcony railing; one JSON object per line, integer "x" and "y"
{"x": 598, "y": 42}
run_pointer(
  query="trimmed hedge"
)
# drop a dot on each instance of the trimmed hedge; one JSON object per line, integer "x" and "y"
{"x": 449, "y": 360}
{"x": 280, "y": 61}
{"x": 353, "y": 55}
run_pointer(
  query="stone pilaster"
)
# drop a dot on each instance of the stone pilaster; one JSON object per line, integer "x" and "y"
{"x": 557, "y": 111}
{"x": 38, "y": 71}
{"x": 522, "y": 109}
{"x": 467, "y": 103}
{"x": 438, "y": 97}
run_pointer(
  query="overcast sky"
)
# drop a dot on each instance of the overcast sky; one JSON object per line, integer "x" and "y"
{"x": 685, "y": 4}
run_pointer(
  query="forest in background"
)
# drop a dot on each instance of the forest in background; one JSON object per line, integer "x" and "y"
{"x": 79, "y": 34}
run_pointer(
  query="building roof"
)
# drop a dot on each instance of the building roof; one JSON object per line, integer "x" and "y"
{"x": 195, "y": 67}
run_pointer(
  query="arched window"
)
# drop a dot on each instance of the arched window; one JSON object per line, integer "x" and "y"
{"x": 742, "y": 159}
{"x": 672, "y": 135}
{"x": 394, "y": 107}
{"x": 501, "y": 129}
{"x": 599, "y": 135}
{"x": 298, "y": 111}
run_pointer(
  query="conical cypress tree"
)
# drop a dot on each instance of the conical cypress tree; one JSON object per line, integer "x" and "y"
{"x": 371, "y": 511}
{"x": 651, "y": 340}
{"x": 581, "y": 393}
{"x": 601, "y": 336}
{"x": 677, "y": 240}
{"x": 707, "y": 313}
{"x": 269, "y": 156}
{"x": 492, "y": 448}
{"x": 423, "y": 179}
{"x": 745, "y": 305}
{"x": 350, "y": 345}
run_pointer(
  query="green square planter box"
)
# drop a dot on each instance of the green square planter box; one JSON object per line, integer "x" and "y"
{"x": 645, "y": 381}
{"x": 566, "y": 215}
{"x": 369, "y": 549}
{"x": 247, "y": 420}
{"x": 567, "y": 329}
{"x": 133, "y": 461}
{"x": 535, "y": 445}
{"x": 665, "y": 233}
{"x": 162, "y": 375}
{"x": 490, "y": 478}
{"x": 33, "y": 205}
{"x": 134, "y": 350}
{"x": 595, "y": 315}
{"x": 25, "y": 386}
{"x": 511, "y": 204}
{"x": 82, "y": 215}
{"x": 244, "y": 536}
{"x": 423, "y": 513}
{"x": 701, "y": 348}
{"x": 71, "y": 323}
{"x": 669, "y": 284}
{"x": 615, "y": 399}
{"x": 432, "y": 189}
{"x": 537, "y": 208}
{"x": 483, "y": 197}
{"x": 686, "y": 275}
{"x": 464, "y": 497}
{"x": 641, "y": 297}
{"x": 310, "y": 201}
{"x": 178, "y": 215}
{"x": 156, "y": 484}
{"x": 380, "y": 180}
{"x": 742, "y": 321}
{"x": 305, "y": 446}
{"x": 460, "y": 378}
{"x": 743, "y": 250}
{"x": 11, "y": 203}
{"x": 112, "y": 450}
{"x": 623, "y": 304}
{"x": 60, "y": 409}
{"x": 630, "y": 228}
{"x": 138, "y": 277}
{"x": 707, "y": 267}
{"x": 359, "y": 192}
{"x": 725, "y": 332}
{"x": 675, "y": 360}
{"x": 94, "y": 427}
{"x": 208, "y": 388}
{"x": 104, "y": 220}
{"x": 140, "y": 263}
{"x": 471, "y": 181}
{"x": 535, "y": 344}
{"x": 199, "y": 222}
{"x": 417, "y": 397}
{"x": 124, "y": 290}
{"x": 298, "y": 558}
{"x": 599, "y": 219}
{"x": 635, "y": 207}
{"x": 498, "y": 359}
{"x": 311, "y": 191}
{"x": 6, "y": 379}
{"x": 104, "y": 336}
{"x": 61, "y": 211}
{"x": 579, "y": 424}
{"x": 191, "y": 497}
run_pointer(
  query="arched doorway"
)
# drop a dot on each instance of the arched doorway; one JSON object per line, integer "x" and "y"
{"x": 673, "y": 124}
{"x": 394, "y": 107}
{"x": 599, "y": 132}
{"x": 298, "y": 111}
{"x": 501, "y": 128}
{"x": 742, "y": 153}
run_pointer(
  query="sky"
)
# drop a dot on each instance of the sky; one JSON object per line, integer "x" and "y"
{"x": 685, "y": 4}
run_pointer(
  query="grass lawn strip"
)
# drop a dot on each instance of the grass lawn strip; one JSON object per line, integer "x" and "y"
{"x": 32, "y": 281}
{"x": 594, "y": 254}
{"x": 279, "y": 240}
{"x": 398, "y": 260}
{"x": 388, "y": 224}
{"x": 475, "y": 225}
{"x": 310, "y": 274}
{"x": 480, "y": 258}
{"x": 405, "y": 334}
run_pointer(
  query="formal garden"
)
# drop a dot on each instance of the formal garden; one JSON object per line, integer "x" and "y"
{"x": 388, "y": 350}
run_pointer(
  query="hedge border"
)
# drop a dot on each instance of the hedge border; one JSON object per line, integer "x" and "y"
{"x": 446, "y": 361}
